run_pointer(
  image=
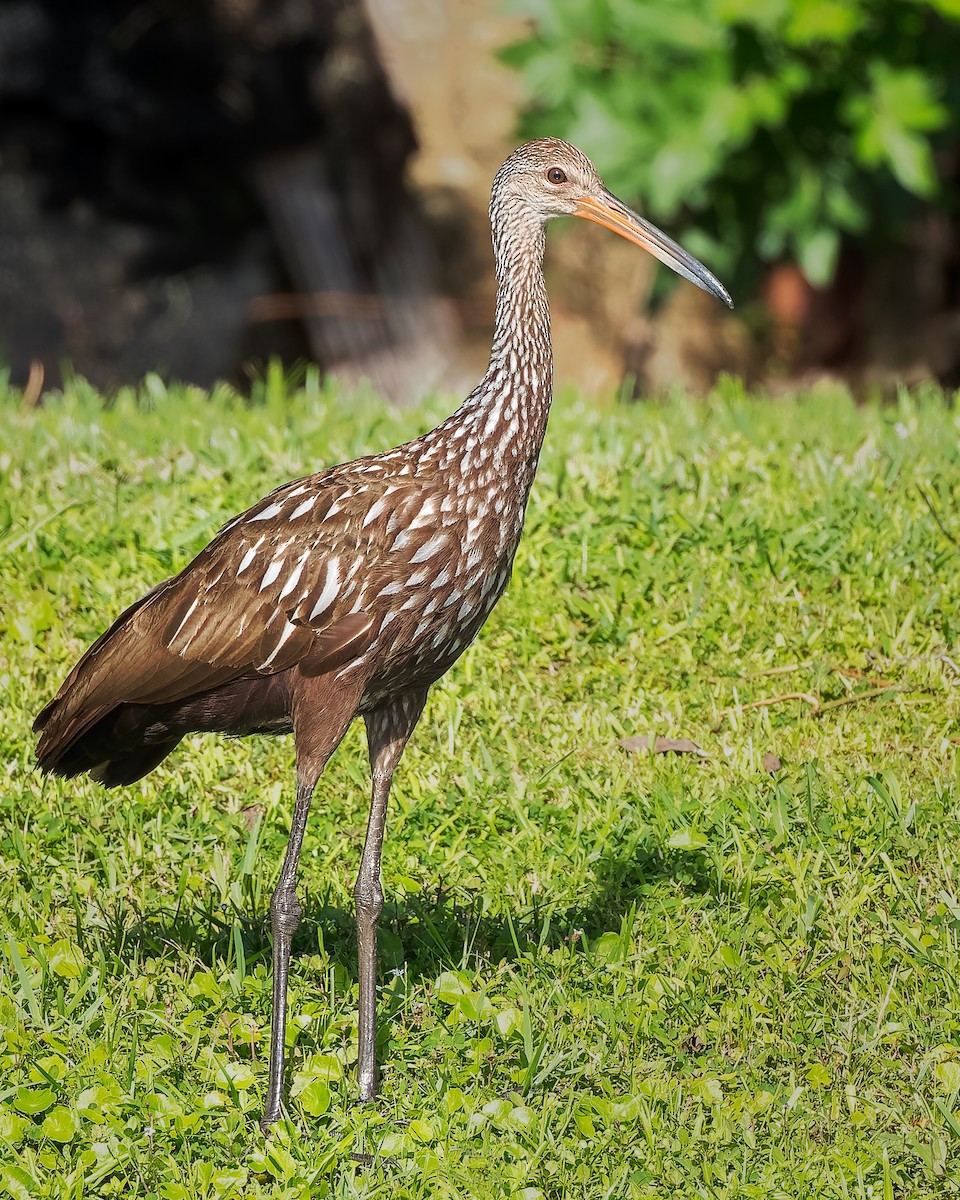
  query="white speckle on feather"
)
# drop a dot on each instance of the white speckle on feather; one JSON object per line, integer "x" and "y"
{"x": 402, "y": 540}
{"x": 374, "y": 511}
{"x": 270, "y": 511}
{"x": 442, "y": 579}
{"x": 271, "y": 573}
{"x": 390, "y": 589}
{"x": 288, "y": 631}
{"x": 303, "y": 507}
{"x": 187, "y": 615}
{"x": 294, "y": 576}
{"x": 426, "y": 515}
{"x": 430, "y": 548}
{"x": 330, "y": 587}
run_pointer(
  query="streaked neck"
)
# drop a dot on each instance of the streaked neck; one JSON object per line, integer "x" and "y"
{"x": 505, "y": 416}
{"x": 519, "y": 375}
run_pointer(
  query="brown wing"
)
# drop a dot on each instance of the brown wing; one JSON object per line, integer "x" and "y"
{"x": 304, "y": 578}
{"x": 276, "y": 587}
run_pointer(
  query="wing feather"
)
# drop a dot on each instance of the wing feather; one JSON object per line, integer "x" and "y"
{"x": 291, "y": 581}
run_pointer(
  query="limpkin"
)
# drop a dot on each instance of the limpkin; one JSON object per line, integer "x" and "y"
{"x": 350, "y": 591}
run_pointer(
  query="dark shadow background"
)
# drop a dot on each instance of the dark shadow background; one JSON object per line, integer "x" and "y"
{"x": 134, "y": 141}
{"x": 196, "y": 186}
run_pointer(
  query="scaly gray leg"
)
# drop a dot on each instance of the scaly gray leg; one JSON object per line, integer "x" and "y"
{"x": 319, "y": 723}
{"x": 285, "y": 913}
{"x": 388, "y": 731}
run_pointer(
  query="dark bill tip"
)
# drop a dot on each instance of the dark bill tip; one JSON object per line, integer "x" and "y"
{"x": 612, "y": 214}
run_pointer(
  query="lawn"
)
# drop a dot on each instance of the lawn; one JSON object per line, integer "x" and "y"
{"x": 606, "y": 973}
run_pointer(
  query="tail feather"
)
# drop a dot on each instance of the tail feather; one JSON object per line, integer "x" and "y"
{"x": 116, "y": 746}
{"x": 92, "y": 690}
{"x": 130, "y": 767}
{"x": 61, "y": 749}
{"x": 120, "y": 743}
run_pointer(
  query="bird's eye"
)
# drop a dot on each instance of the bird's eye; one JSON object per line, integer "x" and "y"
{"x": 555, "y": 175}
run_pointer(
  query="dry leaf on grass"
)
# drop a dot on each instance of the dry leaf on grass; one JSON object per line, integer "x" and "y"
{"x": 771, "y": 762}
{"x": 251, "y": 814}
{"x": 661, "y": 745}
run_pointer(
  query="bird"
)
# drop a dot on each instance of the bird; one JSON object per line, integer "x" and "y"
{"x": 350, "y": 591}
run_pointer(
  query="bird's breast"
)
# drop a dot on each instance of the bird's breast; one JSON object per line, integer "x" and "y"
{"x": 434, "y": 585}
{"x": 388, "y": 566}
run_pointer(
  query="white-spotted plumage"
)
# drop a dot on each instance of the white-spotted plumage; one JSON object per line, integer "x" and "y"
{"x": 286, "y": 633}
{"x": 414, "y": 540}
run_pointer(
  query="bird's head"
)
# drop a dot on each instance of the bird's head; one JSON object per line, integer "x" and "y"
{"x": 551, "y": 178}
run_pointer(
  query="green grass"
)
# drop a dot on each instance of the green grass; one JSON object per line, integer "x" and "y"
{"x": 604, "y": 974}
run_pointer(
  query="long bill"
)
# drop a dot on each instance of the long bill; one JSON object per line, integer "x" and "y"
{"x": 611, "y": 213}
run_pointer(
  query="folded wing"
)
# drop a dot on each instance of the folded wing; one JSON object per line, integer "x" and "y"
{"x": 277, "y": 587}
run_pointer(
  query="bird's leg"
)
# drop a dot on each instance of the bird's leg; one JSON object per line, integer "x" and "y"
{"x": 285, "y": 913}
{"x": 388, "y": 731}
{"x": 318, "y": 731}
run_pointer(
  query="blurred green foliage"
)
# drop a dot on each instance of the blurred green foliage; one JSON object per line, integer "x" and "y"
{"x": 768, "y": 129}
